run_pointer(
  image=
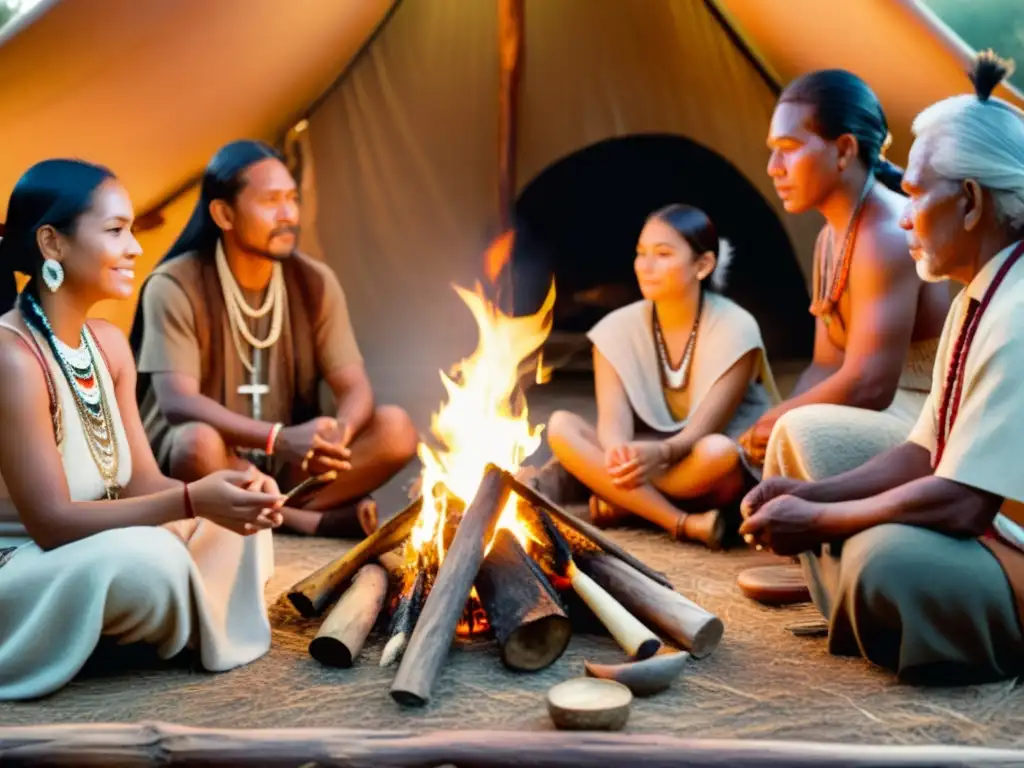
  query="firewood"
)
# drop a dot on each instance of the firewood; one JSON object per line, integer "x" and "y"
{"x": 636, "y": 639}
{"x": 344, "y": 631}
{"x": 682, "y": 620}
{"x": 404, "y": 618}
{"x": 431, "y": 639}
{"x": 540, "y": 501}
{"x": 143, "y": 744}
{"x": 315, "y": 592}
{"x": 529, "y": 621}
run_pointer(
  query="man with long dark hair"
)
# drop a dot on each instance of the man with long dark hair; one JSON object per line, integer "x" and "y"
{"x": 877, "y": 322}
{"x": 235, "y": 332}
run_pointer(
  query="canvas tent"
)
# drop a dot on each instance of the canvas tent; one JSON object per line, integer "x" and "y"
{"x": 399, "y": 103}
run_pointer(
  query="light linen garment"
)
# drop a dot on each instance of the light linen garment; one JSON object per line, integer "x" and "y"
{"x": 175, "y": 586}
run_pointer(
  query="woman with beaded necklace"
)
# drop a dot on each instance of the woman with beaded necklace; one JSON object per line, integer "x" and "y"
{"x": 686, "y": 363}
{"x": 94, "y": 540}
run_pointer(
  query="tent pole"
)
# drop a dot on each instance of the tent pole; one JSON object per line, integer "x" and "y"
{"x": 510, "y": 49}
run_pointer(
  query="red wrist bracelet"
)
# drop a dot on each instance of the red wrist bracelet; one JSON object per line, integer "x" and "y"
{"x": 272, "y": 438}
{"x": 189, "y": 509}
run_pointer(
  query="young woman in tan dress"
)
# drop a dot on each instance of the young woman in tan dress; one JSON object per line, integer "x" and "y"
{"x": 94, "y": 540}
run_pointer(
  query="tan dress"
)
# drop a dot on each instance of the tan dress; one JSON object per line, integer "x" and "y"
{"x": 182, "y": 585}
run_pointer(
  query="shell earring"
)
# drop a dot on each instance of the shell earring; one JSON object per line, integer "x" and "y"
{"x": 53, "y": 274}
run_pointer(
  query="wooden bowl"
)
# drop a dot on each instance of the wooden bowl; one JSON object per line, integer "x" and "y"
{"x": 589, "y": 704}
{"x": 645, "y": 677}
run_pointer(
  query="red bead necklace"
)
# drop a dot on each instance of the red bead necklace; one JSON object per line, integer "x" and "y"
{"x": 953, "y": 387}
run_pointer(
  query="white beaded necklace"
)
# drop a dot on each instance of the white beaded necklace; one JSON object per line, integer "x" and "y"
{"x": 238, "y": 308}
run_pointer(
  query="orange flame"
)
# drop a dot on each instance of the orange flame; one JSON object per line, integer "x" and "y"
{"x": 485, "y": 420}
{"x": 498, "y": 254}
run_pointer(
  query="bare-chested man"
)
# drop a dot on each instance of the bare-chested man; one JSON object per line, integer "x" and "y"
{"x": 878, "y": 324}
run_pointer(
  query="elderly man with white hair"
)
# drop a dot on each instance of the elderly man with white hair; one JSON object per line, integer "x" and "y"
{"x": 914, "y": 556}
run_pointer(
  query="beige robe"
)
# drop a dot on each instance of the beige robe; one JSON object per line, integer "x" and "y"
{"x": 186, "y": 584}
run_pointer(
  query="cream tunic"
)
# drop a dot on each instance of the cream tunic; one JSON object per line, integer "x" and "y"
{"x": 182, "y": 585}
{"x": 727, "y": 332}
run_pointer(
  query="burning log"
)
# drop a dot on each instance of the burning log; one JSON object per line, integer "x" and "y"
{"x": 439, "y": 618}
{"x": 636, "y": 639}
{"x": 585, "y": 529}
{"x": 404, "y": 618}
{"x": 529, "y": 621}
{"x": 344, "y": 631}
{"x": 683, "y": 621}
{"x": 311, "y": 595}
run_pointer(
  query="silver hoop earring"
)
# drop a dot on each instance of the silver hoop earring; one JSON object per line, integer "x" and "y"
{"x": 53, "y": 274}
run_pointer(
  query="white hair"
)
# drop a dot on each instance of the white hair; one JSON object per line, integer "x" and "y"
{"x": 722, "y": 264}
{"x": 982, "y": 138}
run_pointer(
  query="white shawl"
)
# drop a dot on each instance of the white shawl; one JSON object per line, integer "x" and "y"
{"x": 727, "y": 332}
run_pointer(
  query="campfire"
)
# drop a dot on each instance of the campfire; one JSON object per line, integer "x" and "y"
{"x": 480, "y": 554}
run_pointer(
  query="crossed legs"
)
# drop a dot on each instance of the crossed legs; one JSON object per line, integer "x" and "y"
{"x": 709, "y": 477}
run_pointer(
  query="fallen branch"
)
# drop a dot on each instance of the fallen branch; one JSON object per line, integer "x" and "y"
{"x": 161, "y": 744}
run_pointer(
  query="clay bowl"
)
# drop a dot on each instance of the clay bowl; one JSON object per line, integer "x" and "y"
{"x": 643, "y": 678}
{"x": 589, "y": 704}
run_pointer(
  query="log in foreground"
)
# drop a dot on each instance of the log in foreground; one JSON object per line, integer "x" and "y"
{"x": 529, "y": 621}
{"x": 432, "y": 638}
{"x": 311, "y": 595}
{"x": 682, "y": 620}
{"x": 582, "y": 527}
{"x": 118, "y": 745}
{"x": 344, "y": 631}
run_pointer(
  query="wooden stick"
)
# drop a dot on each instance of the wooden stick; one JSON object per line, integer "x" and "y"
{"x": 629, "y": 632}
{"x": 636, "y": 639}
{"x": 439, "y": 617}
{"x": 582, "y": 527}
{"x": 344, "y": 631}
{"x": 529, "y": 621}
{"x": 404, "y": 619}
{"x": 124, "y": 745}
{"x": 311, "y": 595}
{"x": 682, "y": 620}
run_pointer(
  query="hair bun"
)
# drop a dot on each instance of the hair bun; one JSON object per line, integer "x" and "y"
{"x": 989, "y": 71}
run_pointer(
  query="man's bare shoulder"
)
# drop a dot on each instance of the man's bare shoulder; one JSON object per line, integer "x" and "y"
{"x": 881, "y": 246}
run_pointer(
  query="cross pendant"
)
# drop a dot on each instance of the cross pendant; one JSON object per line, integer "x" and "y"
{"x": 254, "y": 388}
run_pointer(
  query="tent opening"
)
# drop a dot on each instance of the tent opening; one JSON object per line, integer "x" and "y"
{"x": 579, "y": 219}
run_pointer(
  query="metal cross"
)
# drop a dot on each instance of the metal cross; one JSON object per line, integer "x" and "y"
{"x": 254, "y": 388}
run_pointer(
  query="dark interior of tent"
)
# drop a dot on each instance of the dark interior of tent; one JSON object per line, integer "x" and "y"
{"x": 579, "y": 219}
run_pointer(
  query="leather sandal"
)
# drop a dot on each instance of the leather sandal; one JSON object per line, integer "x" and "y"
{"x": 774, "y": 584}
